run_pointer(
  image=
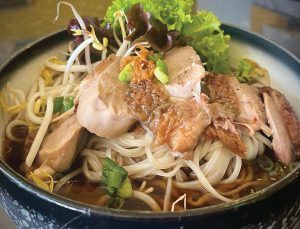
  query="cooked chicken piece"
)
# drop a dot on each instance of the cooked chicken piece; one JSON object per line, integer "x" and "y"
{"x": 142, "y": 98}
{"x": 179, "y": 124}
{"x": 59, "y": 147}
{"x": 102, "y": 109}
{"x": 185, "y": 72}
{"x": 281, "y": 139}
{"x": 289, "y": 117}
{"x": 252, "y": 113}
{"x": 226, "y": 132}
{"x": 89, "y": 79}
{"x": 222, "y": 90}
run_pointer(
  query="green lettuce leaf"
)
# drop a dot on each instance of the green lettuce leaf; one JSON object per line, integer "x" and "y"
{"x": 208, "y": 39}
{"x": 173, "y": 13}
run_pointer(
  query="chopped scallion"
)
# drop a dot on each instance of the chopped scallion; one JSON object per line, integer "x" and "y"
{"x": 125, "y": 190}
{"x": 58, "y": 104}
{"x": 116, "y": 180}
{"x": 161, "y": 76}
{"x": 68, "y": 103}
{"x": 161, "y": 64}
{"x": 126, "y": 74}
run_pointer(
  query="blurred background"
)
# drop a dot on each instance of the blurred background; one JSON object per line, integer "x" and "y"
{"x": 23, "y": 21}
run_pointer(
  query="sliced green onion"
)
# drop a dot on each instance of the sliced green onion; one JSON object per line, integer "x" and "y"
{"x": 161, "y": 76}
{"x": 111, "y": 191}
{"x": 58, "y": 104}
{"x": 126, "y": 74}
{"x": 161, "y": 64}
{"x": 265, "y": 163}
{"x": 125, "y": 190}
{"x": 68, "y": 103}
{"x": 154, "y": 57}
{"x": 108, "y": 164}
{"x": 114, "y": 179}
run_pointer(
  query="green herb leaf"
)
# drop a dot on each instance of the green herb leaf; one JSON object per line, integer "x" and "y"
{"x": 207, "y": 38}
{"x": 173, "y": 13}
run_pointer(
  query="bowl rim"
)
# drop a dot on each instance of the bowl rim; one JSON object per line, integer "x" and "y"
{"x": 143, "y": 215}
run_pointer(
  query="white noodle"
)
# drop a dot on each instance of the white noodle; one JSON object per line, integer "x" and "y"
{"x": 29, "y": 110}
{"x": 13, "y": 124}
{"x": 204, "y": 182}
{"x": 236, "y": 171}
{"x": 167, "y": 195}
{"x": 40, "y": 134}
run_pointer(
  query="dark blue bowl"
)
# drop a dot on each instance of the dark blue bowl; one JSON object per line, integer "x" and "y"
{"x": 29, "y": 207}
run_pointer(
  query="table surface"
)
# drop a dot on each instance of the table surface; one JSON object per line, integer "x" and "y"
{"x": 23, "y": 23}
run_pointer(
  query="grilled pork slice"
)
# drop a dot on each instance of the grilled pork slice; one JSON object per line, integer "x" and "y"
{"x": 284, "y": 124}
{"x": 185, "y": 72}
{"x": 101, "y": 101}
{"x": 179, "y": 124}
{"x": 59, "y": 147}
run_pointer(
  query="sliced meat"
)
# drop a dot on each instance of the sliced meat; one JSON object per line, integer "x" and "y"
{"x": 179, "y": 124}
{"x": 252, "y": 113}
{"x": 228, "y": 135}
{"x": 288, "y": 114}
{"x": 222, "y": 90}
{"x": 225, "y": 109}
{"x": 101, "y": 102}
{"x": 281, "y": 139}
{"x": 59, "y": 148}
{"x": 89, "y": 79}
{"x": 143, "y": 97}
{"x": 185, "y": 72}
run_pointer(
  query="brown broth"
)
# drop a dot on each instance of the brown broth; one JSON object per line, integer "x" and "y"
{"x": 81, "y": 190}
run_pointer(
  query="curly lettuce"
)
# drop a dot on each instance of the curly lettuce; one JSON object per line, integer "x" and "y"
{"x": 202, "y": 30}
{"x": 173, "y": 13}
{"x": 209, "y": 40}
